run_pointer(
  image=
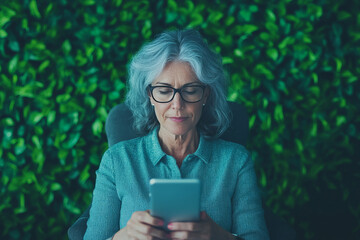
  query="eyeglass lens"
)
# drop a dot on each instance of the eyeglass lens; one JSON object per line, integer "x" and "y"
{"x": 188, "y": 93}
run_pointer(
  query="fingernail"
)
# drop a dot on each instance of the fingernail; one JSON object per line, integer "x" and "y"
{"x": 160, "y": 223}
{"x": 170, "y": 226}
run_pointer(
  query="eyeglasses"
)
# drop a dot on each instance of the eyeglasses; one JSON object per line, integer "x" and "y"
{"x": 165, "y": 94}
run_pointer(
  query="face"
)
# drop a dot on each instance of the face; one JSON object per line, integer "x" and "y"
{"x": 178, "y": 117}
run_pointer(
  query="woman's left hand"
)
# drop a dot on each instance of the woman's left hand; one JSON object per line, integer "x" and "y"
{"x": 205, "y": 229}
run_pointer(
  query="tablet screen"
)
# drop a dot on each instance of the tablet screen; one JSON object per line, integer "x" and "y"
{"x": 175, "y": 200}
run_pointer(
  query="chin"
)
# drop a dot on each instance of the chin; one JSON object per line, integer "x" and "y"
{"x": 178, "y": 130}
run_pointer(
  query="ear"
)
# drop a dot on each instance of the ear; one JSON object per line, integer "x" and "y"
{"x": 206, "y": 94}
{"x": 150, "y": 97}
{"x": 152, "y": 102}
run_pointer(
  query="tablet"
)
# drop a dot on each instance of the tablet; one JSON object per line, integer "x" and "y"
{"x": 175, "y": 200}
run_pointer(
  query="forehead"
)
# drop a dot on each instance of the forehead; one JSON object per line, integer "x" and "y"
{"x": 177, "y": 73}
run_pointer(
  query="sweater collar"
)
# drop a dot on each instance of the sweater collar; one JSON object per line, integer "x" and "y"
{"x": 156, "y": 153}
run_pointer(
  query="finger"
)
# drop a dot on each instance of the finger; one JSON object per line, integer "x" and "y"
{"x": 144, "y": 229}
{"x": 187, "y": 235}
{"x": 140, "y": 236}
{"x": 186, "y": 226}
{"x": 145, "y": 217}
{"x": 148, "y": 230}
{"x": 135, "y": 234}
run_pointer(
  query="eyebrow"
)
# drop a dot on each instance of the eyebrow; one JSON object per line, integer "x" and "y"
{"x": 162, "y": 83}
{"x": 168, "y": 84}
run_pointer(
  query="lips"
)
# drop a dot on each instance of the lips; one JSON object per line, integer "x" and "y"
{"x": 178, "y": 119}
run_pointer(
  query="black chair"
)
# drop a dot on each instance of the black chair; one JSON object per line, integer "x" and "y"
{"x": 118, "y": 128}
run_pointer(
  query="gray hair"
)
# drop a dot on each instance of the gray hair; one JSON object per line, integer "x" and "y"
{"x": 184, "y": 46}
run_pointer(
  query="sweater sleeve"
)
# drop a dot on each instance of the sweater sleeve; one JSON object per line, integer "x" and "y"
{"x": 248, "y": 216}
{"x": 104, "y": 217}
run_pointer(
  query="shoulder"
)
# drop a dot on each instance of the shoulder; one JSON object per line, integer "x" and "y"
{"x": 122, "y": 154}
{"x": 123, "y": 148}
{"x": 223, "y": 146}
{"x": 232, "y": 157}
{"x": 231, "y": 154}
{"x": 128, "y": 144}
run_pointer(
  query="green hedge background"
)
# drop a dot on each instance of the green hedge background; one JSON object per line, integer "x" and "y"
{"x": 295, "y": 65}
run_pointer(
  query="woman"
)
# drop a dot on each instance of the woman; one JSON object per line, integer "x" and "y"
{"x": 177, "y": 93}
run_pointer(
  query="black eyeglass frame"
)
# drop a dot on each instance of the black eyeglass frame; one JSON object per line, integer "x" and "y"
{"x": 175, "y": 90}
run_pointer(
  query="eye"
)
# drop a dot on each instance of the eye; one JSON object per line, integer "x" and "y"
{"x": 163, "y": 90}
{"x": 191, "y": 90}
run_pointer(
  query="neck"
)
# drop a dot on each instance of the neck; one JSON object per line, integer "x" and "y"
{"x": 179, "y": 146}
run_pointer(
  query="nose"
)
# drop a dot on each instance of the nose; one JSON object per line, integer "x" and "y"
{"x": 177, "y": 102}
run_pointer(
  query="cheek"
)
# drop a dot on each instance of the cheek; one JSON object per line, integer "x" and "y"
{"x": 197, "y": 112}
{"x": 159, "y": 111}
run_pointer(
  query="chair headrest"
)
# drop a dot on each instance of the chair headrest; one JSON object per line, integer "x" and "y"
{"x": 118, "y": 125}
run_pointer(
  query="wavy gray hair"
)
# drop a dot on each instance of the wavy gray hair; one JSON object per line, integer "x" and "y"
{"x": 185, "y": 46}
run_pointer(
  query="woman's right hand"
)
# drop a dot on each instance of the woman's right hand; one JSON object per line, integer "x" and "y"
{"x": 142, "y": 226}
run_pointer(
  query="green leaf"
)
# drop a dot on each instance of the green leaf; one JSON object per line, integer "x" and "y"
{"x": 90, "y": 101}
{"x": 215, "y": 16}
{"x": 229, "y": 20}
{"x": 278, "y": 113}
{"x": 338, "y": 64}
{"x": 227, "y": 60}
{"x": 278, "y": 148}
{"x": 245, "y": 29}
{"x": 313, "y": 131}
{"x": 35, "y": 117}
{"x": 117, "y": 2}
{"x": 13, "y": 64}
{"x": 172, "y": 4}
{"x": 5, "y": 15}
{"x": 63, "y": 98}
{"x": 8, "y": 121}
{"x": 84, "y": 176}
{"x": 3, "y": 33}
{"x": 69, "y": 205}
{"x": 38, "y": 157}
{"x": 35, "y": 139}
{"x": 299, "y": 145}
{"x": 314, "y": 10}
{"x": 71, "y": 140}
{"x": 340, "y": 120}
{"x": 51, "y": 117}
{"x": 263, "y": 181}
{"x": 80, "y": 59}
{"x": 343, "y": 15}
{"x": 270, "y": 15}
{"x": 97, "y": 127}
{"x": 272, "y": 53}
{"x": 44, "y": 65}
{"x": 238, "y": 53}
{"x": 102, "y": 113}
{"x": 66, "y": 46}
{"x": 146, "y": 30}
{"x": 20, "y": 146}
{"x": 55, "y": 187}
{"x": 252, "y": 121}
{"x": 286, "y": 41}
{"x": 34, "y": 9}
{"x": 14, "y": 46}
{"x": 272, "y": 27}
{"x": 88, "y": 2}
{"x": 261, "y": 69}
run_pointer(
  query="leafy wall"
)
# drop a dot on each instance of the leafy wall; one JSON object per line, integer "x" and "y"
{"x": 293, "y": 64}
